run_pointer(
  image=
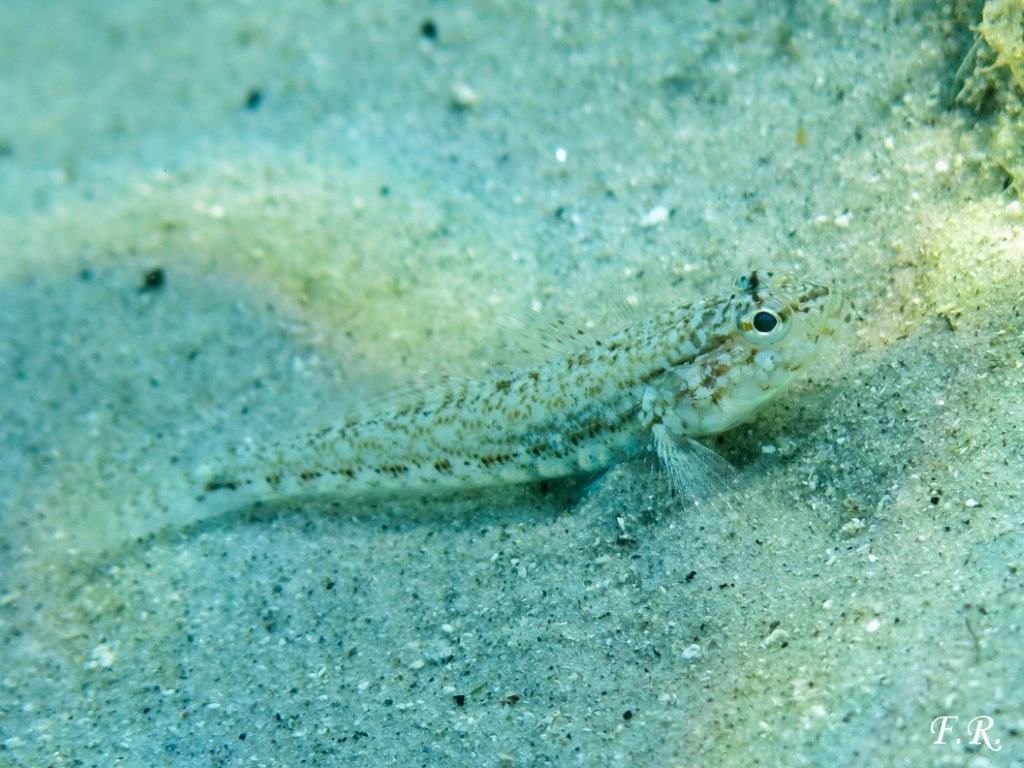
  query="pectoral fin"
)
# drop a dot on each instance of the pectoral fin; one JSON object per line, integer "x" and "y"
{"x": 697, "y": 473}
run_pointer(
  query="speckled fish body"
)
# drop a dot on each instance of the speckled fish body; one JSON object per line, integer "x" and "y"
{"x": 694, "y": 370}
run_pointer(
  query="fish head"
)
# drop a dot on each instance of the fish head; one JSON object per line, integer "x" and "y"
{"x": 769, "y": 330}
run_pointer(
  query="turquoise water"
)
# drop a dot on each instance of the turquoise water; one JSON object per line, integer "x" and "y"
{"x": 225, "y": 222}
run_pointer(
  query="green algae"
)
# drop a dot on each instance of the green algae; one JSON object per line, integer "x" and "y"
{"x": 995, "y": 87}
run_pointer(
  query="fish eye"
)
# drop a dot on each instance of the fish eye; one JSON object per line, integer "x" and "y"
{"x": 765, "y": 321}
{"x": 763, "y": 325}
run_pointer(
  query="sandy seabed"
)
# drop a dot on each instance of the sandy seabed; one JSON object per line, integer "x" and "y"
{"x": 227, "y": 221}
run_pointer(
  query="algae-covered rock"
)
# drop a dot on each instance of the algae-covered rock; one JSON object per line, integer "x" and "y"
{"x": 995, "y": 88}
{"x": 1002, "y": 27}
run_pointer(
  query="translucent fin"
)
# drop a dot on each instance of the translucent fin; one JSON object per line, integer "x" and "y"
{"x": 547, "y": 332}
{"x": 594, "y": 484}
{"x": 538, "y": 339}
{"x": 626, "y": 312}
{"x": 697, "y": 473}
{"x": 383, "y": 397}
{"x": 422, "y": 388}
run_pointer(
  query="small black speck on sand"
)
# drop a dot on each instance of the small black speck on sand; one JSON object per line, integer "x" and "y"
{"x": 253, "y": 99}
{"x": 153, "y": 280}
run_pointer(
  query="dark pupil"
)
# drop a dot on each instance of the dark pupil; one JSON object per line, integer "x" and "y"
{"x": 765, "y": 322}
